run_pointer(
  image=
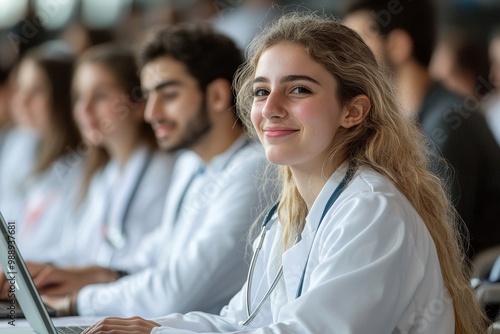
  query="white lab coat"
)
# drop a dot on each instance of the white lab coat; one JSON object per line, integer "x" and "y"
{"x": 48, "y": 198}
{"x": 17, "y": 156}
{"x": 87, "y": 237}
{"x": 372, "y": 268}
{"x": 198, "y": 260}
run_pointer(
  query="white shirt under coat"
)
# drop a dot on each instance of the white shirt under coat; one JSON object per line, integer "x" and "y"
{"x": 198, "y": 258}
{"x": 104, "y": 231}
{"x": 373, "y": 268}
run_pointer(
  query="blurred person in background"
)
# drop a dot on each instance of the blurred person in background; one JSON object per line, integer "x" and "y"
{"x": 460, "y": 63}
{"x": 140, "y": 18}
{"x": 18, "y": 145}
{"x": 5, "y": 117}
{"x": 492, "y": 107}
{"x": 125, "y": 178}
{"x": 80, "y": 38}
{"x": 5, "y": 92}
{"x": 41, "y": 103}
{"x": 402, "y": 39}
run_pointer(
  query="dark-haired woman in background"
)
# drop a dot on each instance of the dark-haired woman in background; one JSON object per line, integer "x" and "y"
{"x": 17, "y": 150}
{"x": 41, "y": 103}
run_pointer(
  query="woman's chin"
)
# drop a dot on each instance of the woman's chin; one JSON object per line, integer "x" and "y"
{"x": 278, "y": 159}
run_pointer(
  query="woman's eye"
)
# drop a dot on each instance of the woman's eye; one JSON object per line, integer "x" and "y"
{"x": 35, "y": 91}
{"x": 301, "y": 90}
{"x": 100, "y": 96}
{"x": 260, "y": 92}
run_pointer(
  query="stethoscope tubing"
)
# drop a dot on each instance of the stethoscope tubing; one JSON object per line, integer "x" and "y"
{"x": 265, "y": 227}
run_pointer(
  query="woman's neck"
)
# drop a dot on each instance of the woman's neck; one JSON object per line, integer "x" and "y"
{"x": 310, "y": 181}
{"x": 309, "y": 185}
{"x": 122, "y": 149}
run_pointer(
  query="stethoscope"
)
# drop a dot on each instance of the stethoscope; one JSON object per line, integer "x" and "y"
{"x": 266, "y": 226}
{"x": 116, "y": 235}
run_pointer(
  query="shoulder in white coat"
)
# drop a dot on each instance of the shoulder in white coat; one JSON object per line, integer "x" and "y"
{"x": 127, "y": 202}
{"x": 199, "y": 252}
{"x": 371, "y": 267}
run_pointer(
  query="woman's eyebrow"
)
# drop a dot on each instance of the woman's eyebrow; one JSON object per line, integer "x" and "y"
{"x": 288, "y": 78}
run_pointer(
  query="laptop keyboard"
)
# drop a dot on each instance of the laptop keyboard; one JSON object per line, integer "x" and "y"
{"x": 70, "y": 330}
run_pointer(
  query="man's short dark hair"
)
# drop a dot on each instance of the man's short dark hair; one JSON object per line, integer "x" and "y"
{"x": 207, "y": 55}
{"x": 417, "y": 17}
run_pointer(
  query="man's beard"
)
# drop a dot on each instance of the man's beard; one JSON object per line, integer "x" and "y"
{"x": 196, "y": 128}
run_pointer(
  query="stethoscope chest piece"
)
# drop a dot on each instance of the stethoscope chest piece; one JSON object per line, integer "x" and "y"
{"x": 116, "y": 238}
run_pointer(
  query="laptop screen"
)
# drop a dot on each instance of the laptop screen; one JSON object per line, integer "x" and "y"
{"x": 20, "y": 282}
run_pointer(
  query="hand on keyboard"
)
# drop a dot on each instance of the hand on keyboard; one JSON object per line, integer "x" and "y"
{"x": 122, "y": 326}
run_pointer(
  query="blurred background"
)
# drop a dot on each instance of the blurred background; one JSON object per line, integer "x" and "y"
{"x": 81, "y": 23}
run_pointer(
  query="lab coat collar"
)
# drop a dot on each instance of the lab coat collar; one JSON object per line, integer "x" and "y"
{"x": 220, "y": 162}
{"x": 121, "y": 182}
{"x": 294, "y": 259}
{"x": 314, "y": 215}
{"x": 112, "y": 170}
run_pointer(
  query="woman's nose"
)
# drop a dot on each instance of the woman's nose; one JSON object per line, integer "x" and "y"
{"x": 274, "y": 106}
{"x": 21, "y": 99}
{"x": 84, "y": 106}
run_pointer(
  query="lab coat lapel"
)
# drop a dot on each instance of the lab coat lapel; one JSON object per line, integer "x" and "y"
{"x": 294, "y": 259}
{"x": 122, "y": 190}
{"x": 187, "y": 165}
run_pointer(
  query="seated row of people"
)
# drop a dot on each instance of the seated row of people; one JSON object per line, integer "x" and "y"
{"x": 82, "y": 188}
{"x": 134, "y": 213}
{"x": 325, "y": 129}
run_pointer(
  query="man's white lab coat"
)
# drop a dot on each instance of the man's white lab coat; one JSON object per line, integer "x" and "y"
{"x": 198, "y": 255}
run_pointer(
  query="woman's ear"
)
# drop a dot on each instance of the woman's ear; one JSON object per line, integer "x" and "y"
{"x": 219, "y": 95}
{"x": 356, "y": 111}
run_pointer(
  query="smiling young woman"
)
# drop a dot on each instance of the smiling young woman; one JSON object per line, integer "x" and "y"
{"x": 364, "y": 237}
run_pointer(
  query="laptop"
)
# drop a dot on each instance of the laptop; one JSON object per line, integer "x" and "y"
{"x": 22, "y": 286}
{"x": 9, "y": 306}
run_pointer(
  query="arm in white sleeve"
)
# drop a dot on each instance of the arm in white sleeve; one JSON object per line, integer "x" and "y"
{"x": 366, "y": 275}
{"x": 204, "y": 275}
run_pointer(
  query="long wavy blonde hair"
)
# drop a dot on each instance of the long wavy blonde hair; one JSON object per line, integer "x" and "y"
{"x": 385, "y": 141}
